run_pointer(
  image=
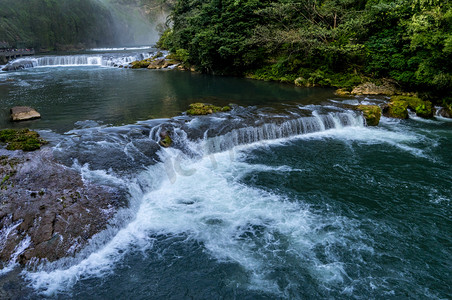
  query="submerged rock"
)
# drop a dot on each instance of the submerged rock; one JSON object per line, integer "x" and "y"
{"x": 47, "y": 208}
{"x": 372, "y": 114}
{"x": 22, "y": 113}
{"x": 205, "y": 109}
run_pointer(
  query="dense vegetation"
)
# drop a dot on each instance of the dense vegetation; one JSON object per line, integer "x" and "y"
{"x": 69, "y": 24}
{"x": 53, "y": 24}
{"x": 318, "y": 42}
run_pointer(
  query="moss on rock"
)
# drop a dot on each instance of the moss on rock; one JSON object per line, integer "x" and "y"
{"x": 140, "y": 64}
{"x": 372, "y": 114}
{"x": 399, "y": 106}
{"x": 205, "y": 109}
{"x": 396, "y": 109}
{"x": 21, "y": 139}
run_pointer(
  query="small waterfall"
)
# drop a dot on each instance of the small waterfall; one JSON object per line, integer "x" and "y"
{"x": 105, "y": 60}
{"x": 273, "y": 131}
{"x": 184, "y": 139}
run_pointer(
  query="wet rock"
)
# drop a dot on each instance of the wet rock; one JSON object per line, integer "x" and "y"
{"x": 371, "y": 113}
{"x": 165, "y": 139}
{"x": 396, "y": 109}
{"x": 47, "y": 208}
{"x": 445, "y": 112}
{"x": 22, "y": 113}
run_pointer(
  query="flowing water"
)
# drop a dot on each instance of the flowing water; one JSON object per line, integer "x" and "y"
{"x": 289, "y": 195}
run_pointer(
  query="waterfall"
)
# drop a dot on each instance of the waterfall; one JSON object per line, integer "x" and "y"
{"x": 213, "y": 143}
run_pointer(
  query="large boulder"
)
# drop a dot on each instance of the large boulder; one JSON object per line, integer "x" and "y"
{"x": 371, "y": 113}
{"x": 399, "y": 105}
{"x": 396, "y": 109}
{"x": 22, "y": 113}
{"x": 47, "y": 210}
{"x": 387, "y": 88}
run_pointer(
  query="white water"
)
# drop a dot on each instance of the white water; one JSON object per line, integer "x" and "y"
{"x": 120, "y": 48}
{"x": 78, "y": 60}
{"x": 211, "y": 205}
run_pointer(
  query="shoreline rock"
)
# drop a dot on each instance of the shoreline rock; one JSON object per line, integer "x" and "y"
{"x": 47, "y": 208}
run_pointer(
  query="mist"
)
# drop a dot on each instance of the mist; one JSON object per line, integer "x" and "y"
{"x": 135, "y": 23}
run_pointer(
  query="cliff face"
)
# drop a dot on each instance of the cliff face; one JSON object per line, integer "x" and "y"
{"x": 73, "y": 24}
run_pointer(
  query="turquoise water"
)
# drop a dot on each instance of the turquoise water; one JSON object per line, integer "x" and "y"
{"x": 286, "y": 197}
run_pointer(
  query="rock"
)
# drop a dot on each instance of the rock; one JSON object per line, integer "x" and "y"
{"x": 396, "y": 109}
{"x": 140, "y": 64}
{"x": 372, "y": 114}
{"x": 300, "y": 81}
{"x": 399, "y": 105}
{"x": 22, "y": 113}
{"x": 49, "y": 204}
{"x": 21, "y": 139}
{"x": 369, "y": 88}
{"x": 205, "y": 109}
{"x": 445, "y": 112}
{"x": 342, "y": 92}
{"x": 157, "y": 64}
{"x": 165, "y": 139}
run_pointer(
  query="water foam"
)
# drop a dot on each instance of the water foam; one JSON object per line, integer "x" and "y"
{"x": 205, "y": 200}
{"x": 105, "y": 60}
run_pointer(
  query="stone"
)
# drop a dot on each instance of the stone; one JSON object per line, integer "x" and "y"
{"x": 369, "y": 88}
{"x": 342, "y": 92}
{"x": 205, "y": 109}
{"x": 372, "y": 114}
{"x": 445, "y": 112}
{"x": 396, "y": 109}
{"x": 53, "y": 206}
{"x": 22, "y": 113}
{"x": 165, "y": 139}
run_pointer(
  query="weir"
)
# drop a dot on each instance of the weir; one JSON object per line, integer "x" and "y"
{"x": 76, "y": 60}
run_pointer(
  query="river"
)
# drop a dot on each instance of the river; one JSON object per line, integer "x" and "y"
{"x": 288, "y": 196}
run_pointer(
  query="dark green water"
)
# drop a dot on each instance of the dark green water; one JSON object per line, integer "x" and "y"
{"x": 342, "y": 212}
{"x": 113, "y": 96}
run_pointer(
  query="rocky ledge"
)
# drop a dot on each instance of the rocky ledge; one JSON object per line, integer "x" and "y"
{"x": 47, "y": 211}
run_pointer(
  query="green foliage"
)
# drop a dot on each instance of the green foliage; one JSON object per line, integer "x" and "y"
{"x": 54, "y": 24}
{"x": 21, "y": 139}
{"x": 318, "y": 42}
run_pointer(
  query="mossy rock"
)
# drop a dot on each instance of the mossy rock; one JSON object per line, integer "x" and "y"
{"x": 21, "y": 139}
{"x": 205, "y": 109}
{"x": 372, "y": 114}
{"x": 423, "y": 109}
{"x": 396, "y": 109}
{"x": 166, "y": 141}
{"x": 140, "y": 64}
{"x": 300, "y": 81}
